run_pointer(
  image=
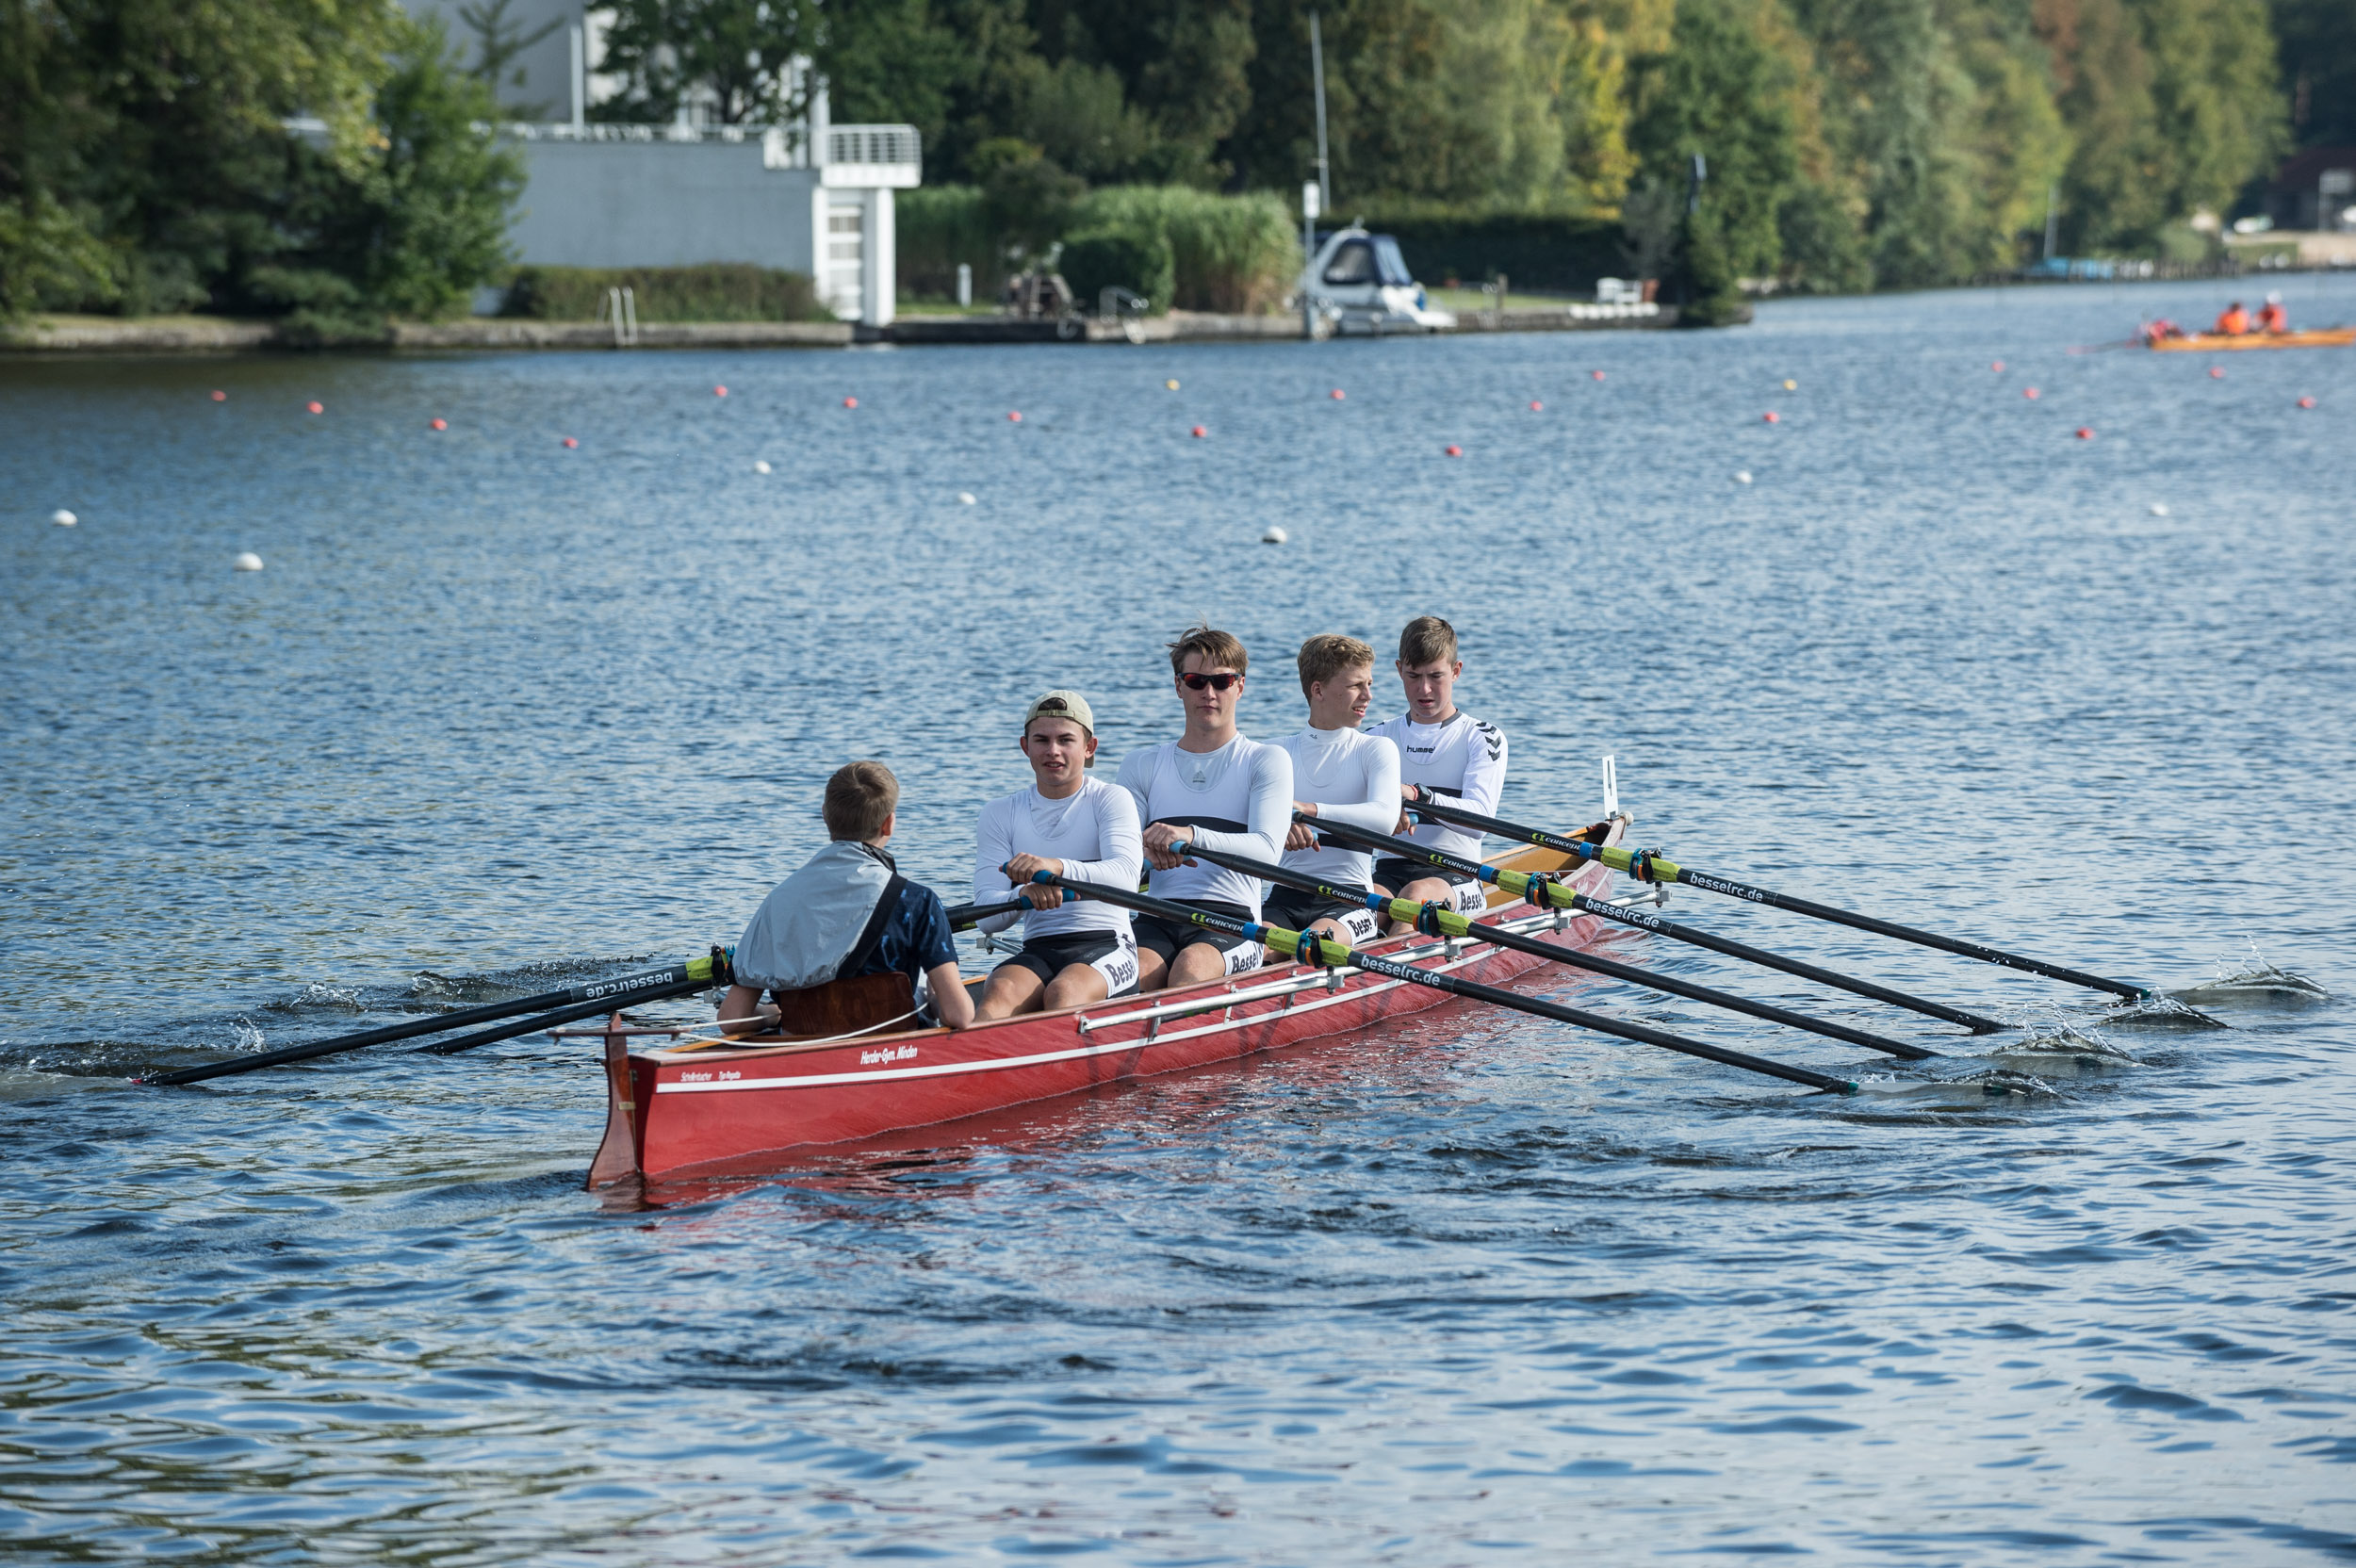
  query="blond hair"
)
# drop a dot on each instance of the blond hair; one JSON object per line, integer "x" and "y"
{"x": 1428, "y": 640}
{"x": 1217, "y": 647}
{"x": 1327, "y": 655}
{"x": 861, "y": 798}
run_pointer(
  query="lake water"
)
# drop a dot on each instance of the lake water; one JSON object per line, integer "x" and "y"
{"x": 501, "y": 714}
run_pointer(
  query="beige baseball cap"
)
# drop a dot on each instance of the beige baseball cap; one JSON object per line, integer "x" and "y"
{"x": 1060, "y": 704}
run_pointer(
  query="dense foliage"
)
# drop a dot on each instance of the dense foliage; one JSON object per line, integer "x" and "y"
{"x": 146, "y": 163}
{"x": 1847, "y": 143}
{"x": 714, "y": 292}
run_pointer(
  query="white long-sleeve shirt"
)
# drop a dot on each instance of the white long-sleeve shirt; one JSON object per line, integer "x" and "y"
{"x": 1462, "y": 761}
{"x": 1237, "y": 800}
{"x": 1353, "y": 779}
{"x": 1093, "y": 831}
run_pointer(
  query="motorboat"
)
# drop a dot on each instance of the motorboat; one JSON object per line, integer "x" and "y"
{"x": 1359, "y": 282}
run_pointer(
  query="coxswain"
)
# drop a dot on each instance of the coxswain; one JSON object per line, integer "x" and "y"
{"x": 1443, "y": 755}
{"x": 2272, "y": 316}
{"x": 1340, "y": 773}
{"x": 1211, "y": 784}
{"x": 2234, "y": 323}
{"x": 1074, "y": 950}
{"x": 846, "y": 942}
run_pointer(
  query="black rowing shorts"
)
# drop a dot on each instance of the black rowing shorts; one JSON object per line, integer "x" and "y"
{"x": 1297, "y": 911}
{"x": 1467, "y": 894}
{"x": 1110, "y": 955}
{"x": 1168, "y": 937}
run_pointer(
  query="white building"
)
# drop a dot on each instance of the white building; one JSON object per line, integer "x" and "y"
{"x": 813, "y": 197}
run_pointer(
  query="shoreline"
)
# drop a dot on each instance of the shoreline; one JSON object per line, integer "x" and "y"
{"x": 200, "y": 334}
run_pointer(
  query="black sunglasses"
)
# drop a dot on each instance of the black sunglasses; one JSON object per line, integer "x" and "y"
{"x": 1219, "y": 682}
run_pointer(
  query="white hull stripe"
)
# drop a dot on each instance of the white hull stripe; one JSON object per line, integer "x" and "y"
{"x": 1000, "y": 1064}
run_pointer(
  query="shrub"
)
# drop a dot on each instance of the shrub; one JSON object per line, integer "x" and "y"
{"x": 1233, "y": 253}
{"x": 718, "y": 291}
{"x": 936, "y": 227}
{"x": 1105, "y": 258}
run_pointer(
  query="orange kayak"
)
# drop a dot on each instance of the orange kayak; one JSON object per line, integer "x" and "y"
{"x": 2210, "y": 342}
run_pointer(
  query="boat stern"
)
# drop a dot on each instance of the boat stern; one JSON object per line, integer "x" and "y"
{"x": 621, "y": 1157}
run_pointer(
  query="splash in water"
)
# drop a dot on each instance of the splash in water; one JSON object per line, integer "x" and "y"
{"x": 2257, "y": 982}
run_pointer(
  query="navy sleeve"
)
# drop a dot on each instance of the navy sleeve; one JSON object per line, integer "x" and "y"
{"x": 917, "y": 939}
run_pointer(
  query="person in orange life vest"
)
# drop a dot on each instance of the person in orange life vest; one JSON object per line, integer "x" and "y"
{"x": 2234, "y": 323}
{"x": 2274, "y": 318}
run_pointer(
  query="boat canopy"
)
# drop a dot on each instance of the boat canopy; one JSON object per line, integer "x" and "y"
{"x": 1369, "y": 260}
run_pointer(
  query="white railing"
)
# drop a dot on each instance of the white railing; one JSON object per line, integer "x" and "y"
{"x": 873, "y": 144}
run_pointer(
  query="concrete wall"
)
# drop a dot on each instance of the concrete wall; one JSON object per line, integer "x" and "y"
{"x": 664, "y": 204}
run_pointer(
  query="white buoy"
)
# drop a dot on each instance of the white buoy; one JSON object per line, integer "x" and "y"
{"x": 2159, "y": 509}
{"x": 63, "y": 518}
{"x": 1274, "y": 536}
{"x": 247, "y": 561}
{"x": 1743, "y": 476}
{"x": 965, "y": 497}
{"x": 760, "y": 466}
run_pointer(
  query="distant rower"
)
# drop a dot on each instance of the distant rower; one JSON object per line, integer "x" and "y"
{"x": 1342, "y": 774}
{"x": 1235, "y": 796}
{"x": 1075, "y": 951}
{"x": 1447, "y": 753}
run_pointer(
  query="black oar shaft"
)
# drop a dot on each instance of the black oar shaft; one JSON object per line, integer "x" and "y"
{"x": 1634, "y": 974}
{"x": 565, "y": 1015}
{"x": 1336, "y": 952}
{"x": 697, "y": 970}
{"x": 1669, "y": 870}
{"x": 1407, "y": 849}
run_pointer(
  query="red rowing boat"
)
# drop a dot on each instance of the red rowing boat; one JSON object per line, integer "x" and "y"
{"x": 689, "y": 1113}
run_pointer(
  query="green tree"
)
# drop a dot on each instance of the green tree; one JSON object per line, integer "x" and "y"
{"x": 733, "y": 59}
{"x": 1720, "y": 91}
{"x": 957, "y": 69}
{"x": 411, "y": 229}
{"x": 2316, "y": 40}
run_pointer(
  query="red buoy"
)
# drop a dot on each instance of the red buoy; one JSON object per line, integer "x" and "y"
{"x": 2216, "y": 372}
{"x": 1536, "y": 407}
{"x": 719, "y": 391}
{"x": 1014, "y": 416}
{"x": 850, "y": 403}
{"x": 1774, "y": 417}
{"x": 1335, "y": 394}
{"x": 441, "y": 424}
{"x": 1597, "y": 374}
{"x": 315, "y": 408}
{"x": 1997, "y": 367}
{"x": 221, "y": 397}
{"x": 2030, "y": 393}
{"x": 570, "y": 442}
{"x": 1456, "y": 451}
{"x": 2086, "y": 432}
{"x": 1200, "y": 432}
{"x": 2306, "y": 402}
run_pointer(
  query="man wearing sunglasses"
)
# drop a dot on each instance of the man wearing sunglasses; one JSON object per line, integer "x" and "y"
{"x": 1213, "y": 786}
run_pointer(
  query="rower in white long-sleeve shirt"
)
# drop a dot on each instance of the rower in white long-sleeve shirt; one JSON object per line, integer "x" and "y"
{"x": 1075, "y": 951}
{"x": 1447, "y": 752}
{"x": 1340, "y": 773}
{"x": 1214, "y": 786}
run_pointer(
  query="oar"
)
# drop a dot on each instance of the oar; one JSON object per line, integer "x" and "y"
{"x": 1318, "y": 951}
{"x": 1649, "y": 866}
{"x": 1434, "y": 921}
{"x": 963, "y": 915}
{"x": 1525, "y": 885}
{"x": 621, "y": 990}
